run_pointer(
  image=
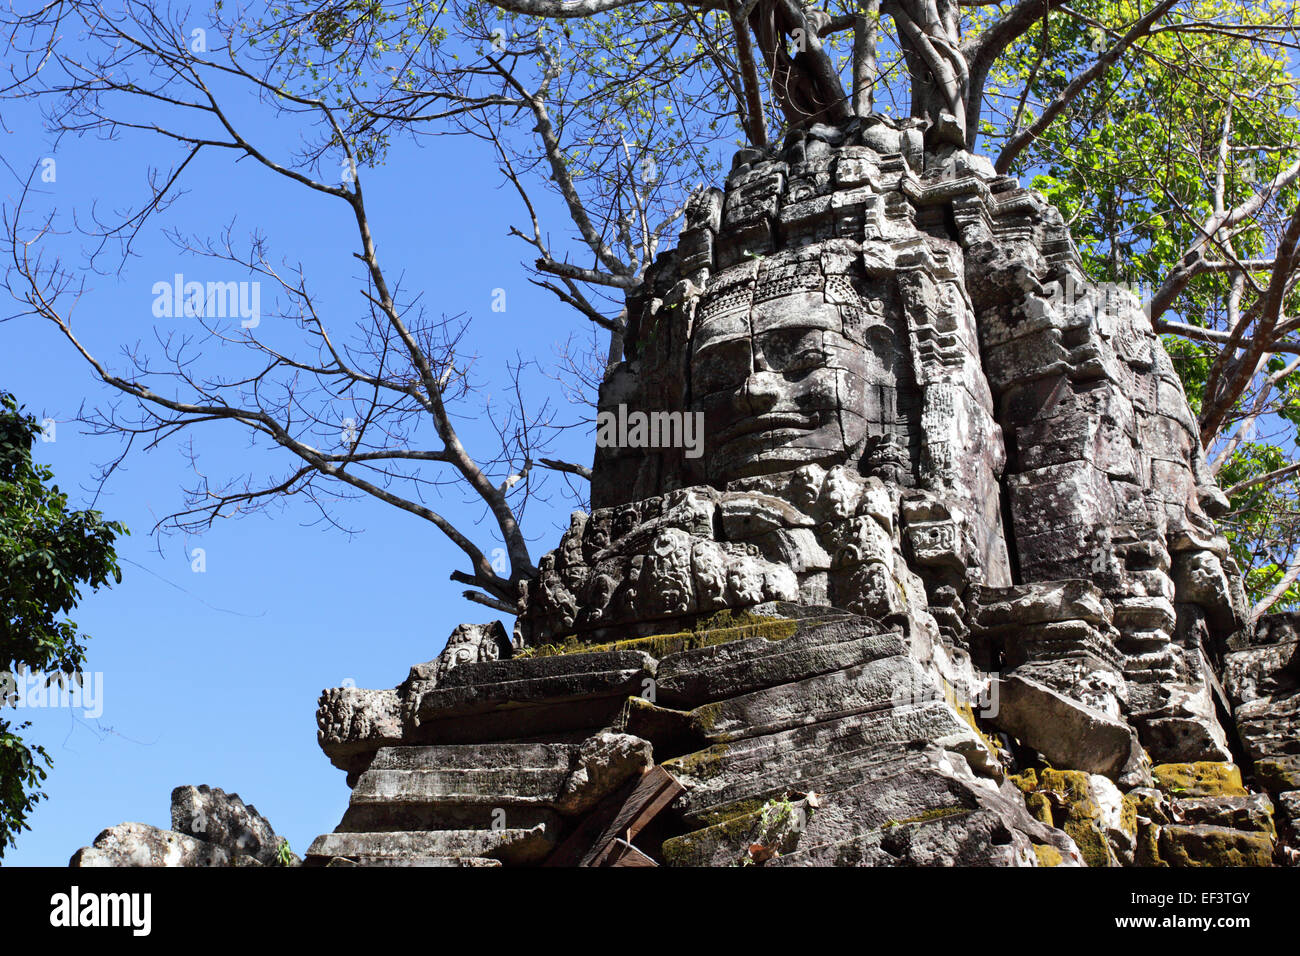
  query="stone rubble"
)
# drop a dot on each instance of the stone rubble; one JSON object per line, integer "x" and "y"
{"x": 209, "y": 828}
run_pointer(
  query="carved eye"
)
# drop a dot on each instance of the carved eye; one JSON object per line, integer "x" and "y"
{"x": 794, "y": 351}
{"x": 721, "y": 367}
{"x": 805, "y": 360}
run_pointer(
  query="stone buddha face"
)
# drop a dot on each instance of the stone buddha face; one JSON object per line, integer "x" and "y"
{"x": 778, "y": 381}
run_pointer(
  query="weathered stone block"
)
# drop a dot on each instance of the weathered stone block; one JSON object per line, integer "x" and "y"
{"x": 1203, "y": 845}
{"x": 515, "y": 846}
{"x": 209, "y": 814}
{"x": 138, "y": 844}
{"x": 1203, "y": 779}
{"x": 1068, "y": 733}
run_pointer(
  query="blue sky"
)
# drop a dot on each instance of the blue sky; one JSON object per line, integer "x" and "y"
{"x": 213, "y": 677}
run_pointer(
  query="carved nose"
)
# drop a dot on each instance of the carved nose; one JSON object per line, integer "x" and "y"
{"x": 761, "y": 392}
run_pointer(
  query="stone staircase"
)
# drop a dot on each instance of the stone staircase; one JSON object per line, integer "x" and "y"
{"x": 474, "y": 805}
{"x": 820, "y": 737}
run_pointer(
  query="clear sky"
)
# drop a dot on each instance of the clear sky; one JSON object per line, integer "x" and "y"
{"x": 213, "y": 677}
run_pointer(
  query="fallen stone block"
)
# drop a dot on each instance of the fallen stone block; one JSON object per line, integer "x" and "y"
{"x": 210, "y": 814}
{"x": 1069, "y": 734}
{"x": 138, "y": 844}
{"x": 1203, "y": 845}
{"x": 1203, "y": 779}
{"x": 1253, "y": 813}
{"x": 510, "y": 846}
{"x": 604, "y": 763}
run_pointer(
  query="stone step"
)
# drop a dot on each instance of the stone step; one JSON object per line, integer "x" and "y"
{"x": 492, "y": 700}
{"x": 498, "y": 756}
{"x": 440, "y": 815}
{"x": 510, "y": 845}
{"x": 459, "y": 786}
{"x": 706, "y": 674}
{"x": 485, "y": 787}
{"x": 388, "y": 861}
{"x": 879, "y": 684}
{"x": 805, "y": 757}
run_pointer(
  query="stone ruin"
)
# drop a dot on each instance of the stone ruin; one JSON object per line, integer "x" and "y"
{"x": 209, "y": 828}
{"x": 944, "y": 586}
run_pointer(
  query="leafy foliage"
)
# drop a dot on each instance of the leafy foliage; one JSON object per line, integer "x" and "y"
{"x": 47, "y": 553}
{"x": 1136, "y": 164}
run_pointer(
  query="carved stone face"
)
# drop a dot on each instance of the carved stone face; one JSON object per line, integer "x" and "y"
{"x": 779, "y": 384}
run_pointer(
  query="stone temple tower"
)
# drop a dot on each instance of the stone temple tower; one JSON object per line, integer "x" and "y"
{"x": 939, "y": 582}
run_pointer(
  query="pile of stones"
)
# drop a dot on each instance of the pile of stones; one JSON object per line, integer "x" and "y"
{"x": 209, "y": 828}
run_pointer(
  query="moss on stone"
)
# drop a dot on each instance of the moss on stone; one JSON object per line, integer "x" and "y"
{"x": 927, "y": 816}
{"x": 1205, "y": 778}
{"x": 701, "y": 765}
{"x": 1128, "y": 815}
{"x": 705, "y": 717}
{"x": 732, "y": 810}
{"x": 966, "y": 713}
{"x": 1071, "y": 807}
{"x": 1092, "y": 843}
{"x": 1040, "y": 808}
{"x": 1147, "y": 851}
{"x": 1047, "y": 855}
{"x": 1152, "y": 804}
{"x": 700, "y": 847}
{"x": 1214, "y": 846}
{"x": 1072, "y": 785}
{"x": 1026, "y": 780}
{"x": 723, "y": 627}
{"x": 1278, "y": 775}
